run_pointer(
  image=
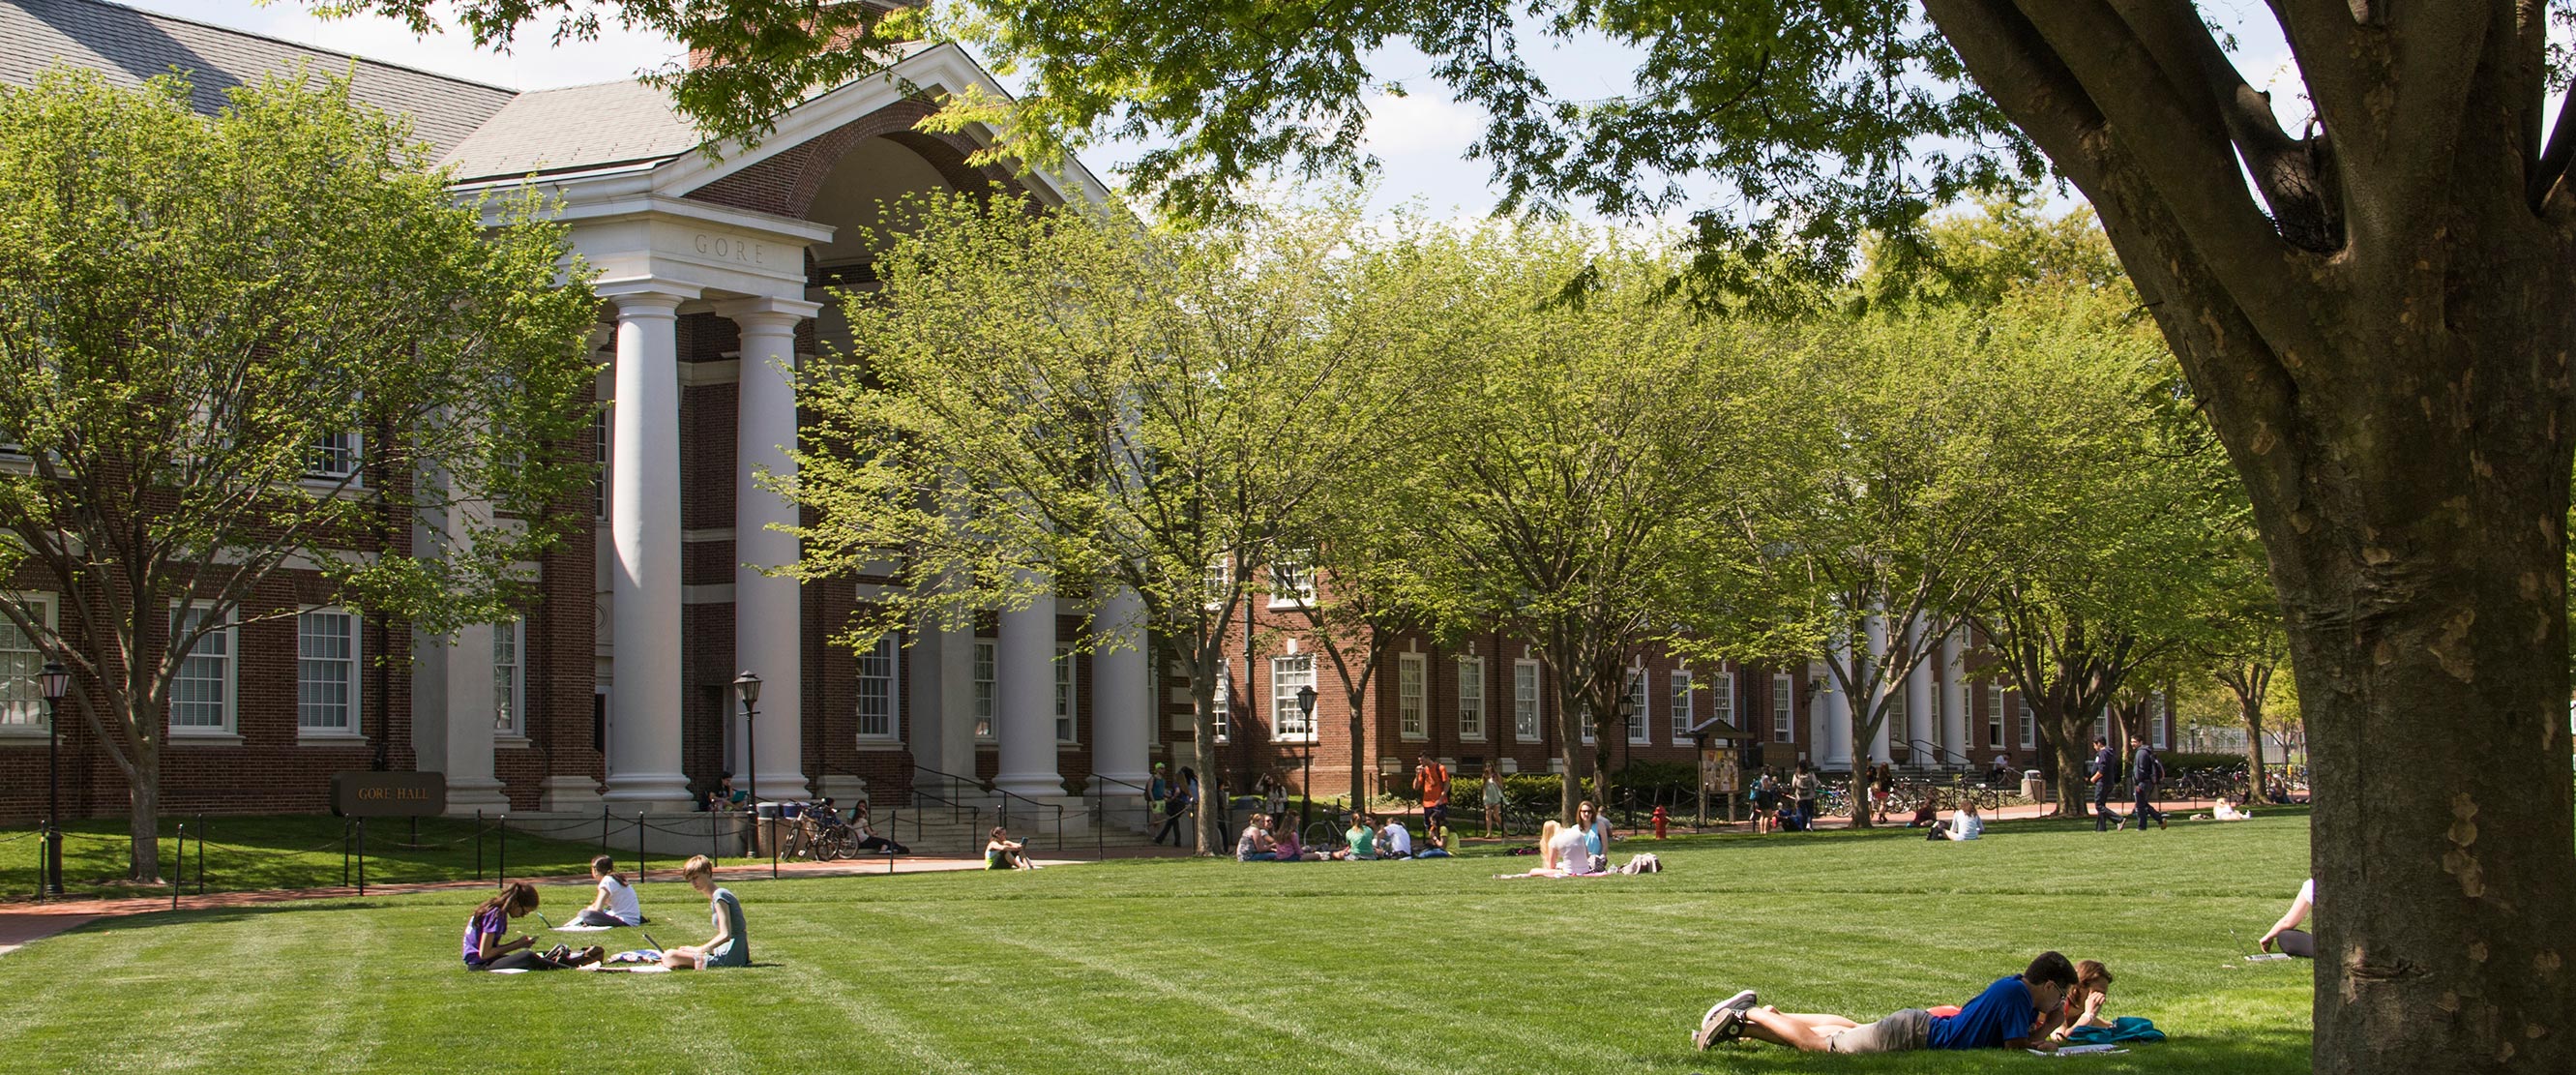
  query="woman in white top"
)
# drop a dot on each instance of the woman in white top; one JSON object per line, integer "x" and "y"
{"x": 1964, "y": 822}
{"x": 615, "y": 905}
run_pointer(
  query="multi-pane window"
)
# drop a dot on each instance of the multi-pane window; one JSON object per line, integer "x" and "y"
{"x": 1292, "y": 579}
{"x": 876, "y": 690}
{"x": 1220, "y": 579}
{"x": 335, "y": 456}
{"x": 1995, "y": 716}
{"x": 1638, "y": 724}
{"x": 1287, "y": 675}
{"x": 1221, "y": 699}
{"x": 988, "y": 691}
{"x": 2156, "y": 720}
{"x": 2029, "y": 727}
{"x": 1412, "y": 706}
{"x": 1683, "y": 717}
{"x": 326, "y": 672}
{"x": 2102, "y": 725}
{"x": 1471, "y": 698}
{"x": 1784, "y": 709}
{"x": 201, "y": 694}
{"x": 1064, "y": 694}
{"x": 22, "y": 666}
{"x": 509, "y": 687}
{"x": 1721, "y": 697}
{"x": 1525, "y": 712}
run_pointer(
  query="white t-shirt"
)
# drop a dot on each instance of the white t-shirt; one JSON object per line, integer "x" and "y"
{"x": 1966, "y": 826}
{"x": 621, "y": 901}
{"x": 2308, "y": 891}
{"x": 1399, "y": 840}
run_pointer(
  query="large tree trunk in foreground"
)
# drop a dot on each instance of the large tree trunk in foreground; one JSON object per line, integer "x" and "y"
{"x": 2383, "y": 346}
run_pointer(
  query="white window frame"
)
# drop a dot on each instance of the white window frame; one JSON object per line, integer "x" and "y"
{"x": 1684, "y": 713}
{"x": 2156, "y": 720}
{"x": 1292, "y": 579}
{"x": 1412, "y": 696}
{"x": 1995, "y": 716}
{"x": 1583, "y": 720}
{"x": 889, "y": 653}
{"x": 985, "y": 670}
{"x": 599, "y": 435}
{"x": 230, "y": 633}
{"x": 1068, "y": 697}
{"x": 2102, "y": 724}
{"x": 1220, "y": 580}
{"x": 1471, "y": 699}
{"x": 337, "y": 457}
{"x": 2029, "y": 727}
{"x": 1641, "y": 726}
{"x": 1289, "y": 724}
{"x": 1529, "y": 707}
{"x": 1784, "y": 708}
{"x": 22, "y": 696}
{"x": 510, "y": 701}
{"x": 350, "y": 726}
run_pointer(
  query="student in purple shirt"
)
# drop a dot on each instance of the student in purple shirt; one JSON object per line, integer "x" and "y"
{"x": 485, "y": 931}
{"x": 2002, "y": 1016}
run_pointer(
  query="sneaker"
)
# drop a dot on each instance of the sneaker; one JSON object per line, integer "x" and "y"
{"x": 2160, "y": 822}
{"x": 1724, "y": 1021}
{"x": 2120, "y": 825}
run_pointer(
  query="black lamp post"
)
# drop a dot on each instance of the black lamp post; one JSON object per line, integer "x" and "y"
{"x": 57, "y": 682}
{"x": 1306, "y": 778}
{"x": 1626, "y": 710}
{"x": 747, "y": 685}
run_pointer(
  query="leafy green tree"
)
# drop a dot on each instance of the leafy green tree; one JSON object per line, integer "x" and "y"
{"x": 239, "y": 347}
{"x": 1586, "y": 444}
{"x": 2124, "y": 523}
{"x": 1047, "y": 402}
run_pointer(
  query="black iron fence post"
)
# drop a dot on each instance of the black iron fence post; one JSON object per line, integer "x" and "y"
{"x": 603, "y": 828}
{"x": 201, "y": 854}
{"x": 501, "y": 851}
{"x": 362, "y": 856}
{"x": 639, "y": 847}
{"x": 180, "y": 876}
{"x": 478, "y": 845}
{"x": 344, "y": 853}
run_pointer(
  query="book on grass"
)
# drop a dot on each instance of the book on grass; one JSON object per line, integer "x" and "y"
{"x": 2079, "y": 1050}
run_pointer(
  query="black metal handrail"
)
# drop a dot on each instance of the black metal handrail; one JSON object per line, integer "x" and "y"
{"x": 973, "y": 815}
{"x": 1007, "y": 796}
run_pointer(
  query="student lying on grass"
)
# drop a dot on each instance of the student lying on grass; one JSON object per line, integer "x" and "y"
{"x": 484, "y": 929}
{"x": 2007, "y": 1015}
{"x": 615, "y": 905}
{"x": 730, "y": 947}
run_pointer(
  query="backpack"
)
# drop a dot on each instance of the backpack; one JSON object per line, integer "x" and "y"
{"x": 2155, "y": 768}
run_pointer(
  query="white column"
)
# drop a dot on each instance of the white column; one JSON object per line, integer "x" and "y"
{"x": 1876, "y": 628}
{"x": 1025, "y": 663}
{"x": 644, "y": 535}
{"x": 1920, "y": 730}
{"x": 1122, "y": 697}
{"x": 1836, "y": 743}
{"x": 1954, "y": 699}
{"x": 451, "y": 682}
{"x": 768, "y": 610}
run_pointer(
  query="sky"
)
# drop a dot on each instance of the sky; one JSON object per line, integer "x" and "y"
{"x": 1420, "y": 140}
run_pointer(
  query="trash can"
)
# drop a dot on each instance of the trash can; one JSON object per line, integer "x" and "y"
{"x": 2031, "y": 788}
{"x": 766, "y": 828}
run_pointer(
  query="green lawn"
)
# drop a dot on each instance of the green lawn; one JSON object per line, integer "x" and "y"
{"x": 301, "y": 851}
{"x": 1208, "y": 966}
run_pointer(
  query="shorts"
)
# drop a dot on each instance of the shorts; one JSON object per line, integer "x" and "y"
{"x": 1897, "y": 1032}
{"x": 1436, "y": 815}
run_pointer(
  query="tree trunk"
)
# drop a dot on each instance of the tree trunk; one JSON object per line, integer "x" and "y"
{"x": 143, "y": 825}
{"x": 2253, "y": 713}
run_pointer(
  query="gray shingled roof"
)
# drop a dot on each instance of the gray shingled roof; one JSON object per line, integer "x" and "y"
{"x": 575, "y": 127}
{"x": 129, "y": 46}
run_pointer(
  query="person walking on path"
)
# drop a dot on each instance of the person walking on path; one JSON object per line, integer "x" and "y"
{"x": 1493, "y": 804}
{"x": 1178, "y": 795}
{"x": 2106, "y": 772}
{"x": 2144, "y": 770}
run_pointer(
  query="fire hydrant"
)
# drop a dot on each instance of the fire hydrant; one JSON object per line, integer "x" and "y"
{"x": 1660, "y": 819}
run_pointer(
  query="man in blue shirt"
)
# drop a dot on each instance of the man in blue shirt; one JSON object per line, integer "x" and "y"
{"x": 2002, "y": 1016}
{"x": 2144, "y": 771}
{"x": 2106, "y": 772}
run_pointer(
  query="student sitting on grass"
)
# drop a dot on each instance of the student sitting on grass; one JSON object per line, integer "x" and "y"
{"x": 1003, "y": 853}
{"x": 1561, "y": 853}
{"x": 2286, "y": 932}
{"x": 1255, "y": 844}
{"x": 1287, "y": 848}
{"x": 615, "y": 905}
{"x": 1964, "y": 823}
{"x": 484, "y": 929}
{"x": 1395, "y": 841}
{"x": 1435, "y": 844}
{"x": 731, "y": 946}
{"x": 1927, "y": 815}
{"x": 1360, "y": 841}
{"x": 2006, "y": 1015}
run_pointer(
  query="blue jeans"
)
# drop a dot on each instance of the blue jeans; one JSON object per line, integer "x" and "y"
{"x": 2102, "y": 814}
{"x": 2145, "y": 809}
